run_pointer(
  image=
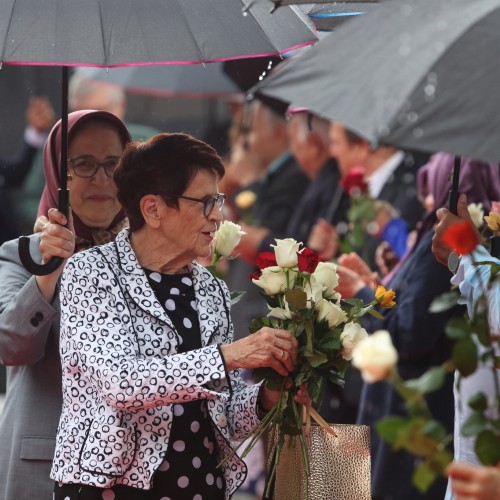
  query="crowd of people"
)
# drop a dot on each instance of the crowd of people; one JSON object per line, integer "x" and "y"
{"x": 128, "y": 367}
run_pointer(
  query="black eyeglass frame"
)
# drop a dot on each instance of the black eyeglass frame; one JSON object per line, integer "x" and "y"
{"x": 208, "y": 203}
{"x": 98, "y": 165}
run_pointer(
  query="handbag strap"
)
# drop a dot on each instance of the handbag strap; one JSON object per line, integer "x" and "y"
{"x": 309, "y": 412}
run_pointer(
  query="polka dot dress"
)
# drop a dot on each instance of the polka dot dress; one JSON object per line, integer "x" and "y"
{"x": 189, "y": 471}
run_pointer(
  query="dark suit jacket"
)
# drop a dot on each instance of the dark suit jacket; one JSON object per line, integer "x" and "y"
{"x": 421, "y": 342}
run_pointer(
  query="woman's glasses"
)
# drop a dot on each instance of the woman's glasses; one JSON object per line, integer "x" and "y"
{"x": 208, "y": 203}
{"x": 86, "y": 167}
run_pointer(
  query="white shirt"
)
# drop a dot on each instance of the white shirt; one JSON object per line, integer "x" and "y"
{"x": 378, "y": 179}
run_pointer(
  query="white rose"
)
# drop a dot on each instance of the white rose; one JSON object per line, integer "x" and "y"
{"x": 286, "y": 252}
{"x": 274, "y": 280}
{"x": 314, "y": 292}
{"x": 331, "y": 312}
{"x": 375, "y": 356}
{"x": 353, "y": 334}
{"x": 476, "y": 213}
{"x": 279, "y": 312}
{"x": 326, "y": 274}
{"x": 227, "y": 238}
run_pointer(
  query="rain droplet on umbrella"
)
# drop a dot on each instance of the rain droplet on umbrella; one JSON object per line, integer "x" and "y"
{"x": 418, "y": 132}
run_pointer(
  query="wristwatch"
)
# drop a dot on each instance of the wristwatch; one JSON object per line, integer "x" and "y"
{"x": 453, "y": 262}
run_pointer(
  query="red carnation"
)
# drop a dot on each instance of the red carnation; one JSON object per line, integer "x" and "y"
{"x": 266, "y": 259}
{"x": 308, "y": 260}
{"x": 354, "y": 183}
{"x": 461, "y": 237}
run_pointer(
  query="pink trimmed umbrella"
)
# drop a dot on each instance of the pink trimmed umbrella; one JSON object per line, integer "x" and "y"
{"x": 110, "y": 33}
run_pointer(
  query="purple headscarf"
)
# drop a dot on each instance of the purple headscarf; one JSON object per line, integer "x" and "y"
{"x": 52, "y": 167}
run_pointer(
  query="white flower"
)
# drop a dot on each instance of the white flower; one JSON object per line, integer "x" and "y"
{"x": 477, "y": 213}
{"x": 314, "y": 292}
{"x": 326, "y": 274}
{"x": 331, "y": 312}
{"x": 227, "y": 238}
{"x": 279, "y": 312}
{"x": 286, "y": 252}
{"x": 274, "y": 279}
{"x": 353, "y": 334}
{"x": 375, "y": 356}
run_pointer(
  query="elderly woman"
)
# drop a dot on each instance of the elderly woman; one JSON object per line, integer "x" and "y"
{"x": 152, "y": 394}
{"x": 29, "y": 305}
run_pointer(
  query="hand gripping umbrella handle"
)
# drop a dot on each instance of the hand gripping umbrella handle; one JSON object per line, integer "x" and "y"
{"x": 24, "y": 245}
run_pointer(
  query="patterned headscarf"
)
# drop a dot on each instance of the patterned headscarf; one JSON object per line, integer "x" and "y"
{"x": 85, "y": 236}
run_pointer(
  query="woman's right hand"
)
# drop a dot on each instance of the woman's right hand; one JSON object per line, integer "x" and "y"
{"x": 56, "y": 240}
{"x": 268, "y": 347}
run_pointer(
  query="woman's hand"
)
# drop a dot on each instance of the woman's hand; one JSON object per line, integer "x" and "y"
{"x": 355, "y": 263}
{"x": 268, "y": 347}
{"x": 268, "y": 398}
{"x": 324, "y": 239}
{"x": 473, "y": 482}
{"x": 55, "y": 241}
{"x": 350, "y": 282}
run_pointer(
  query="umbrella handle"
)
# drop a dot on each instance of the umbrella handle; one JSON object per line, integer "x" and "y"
{"x": 454, "y": 193}
{"x": 24, "y": 245}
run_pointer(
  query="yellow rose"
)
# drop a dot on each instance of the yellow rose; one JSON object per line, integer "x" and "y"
{"x": 245, "y": 199}
{"x": 493, "y": 221}
{"x": 385, "y": 298}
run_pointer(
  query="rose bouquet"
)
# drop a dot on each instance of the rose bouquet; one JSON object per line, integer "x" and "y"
{"x": 300, "y": 292}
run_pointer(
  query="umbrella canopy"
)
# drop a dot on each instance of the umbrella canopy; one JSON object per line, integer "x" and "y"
{"x": 419, "y": 75}
{"x": 327, "y": 16}
{"x": 124, "y": 32}
{"x": 138, "y": 32}
{"x": 185, "y": 80}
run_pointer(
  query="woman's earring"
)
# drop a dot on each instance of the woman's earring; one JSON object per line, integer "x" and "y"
{"x": 69, "y": 177}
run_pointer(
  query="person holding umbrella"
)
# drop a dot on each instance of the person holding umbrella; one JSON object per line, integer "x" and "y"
{"x": 29, "y": 305}
{"x": 152, "y": 394}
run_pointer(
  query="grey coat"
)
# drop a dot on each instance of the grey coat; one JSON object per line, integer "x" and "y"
{"x": 29, "y": 347}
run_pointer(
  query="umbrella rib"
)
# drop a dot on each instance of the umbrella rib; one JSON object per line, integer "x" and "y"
{"x": 202, "y": 59}
{"x": 7, "y": 31}
{"x": 102, "y": 34}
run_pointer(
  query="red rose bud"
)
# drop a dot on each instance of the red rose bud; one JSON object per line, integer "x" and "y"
{"x": 307, "y": 260}
{"x": 355, "y": 182}
{"x": 266, "y": 259}
{"x": 461, "y": 237}
{"x": 255, "y": 276}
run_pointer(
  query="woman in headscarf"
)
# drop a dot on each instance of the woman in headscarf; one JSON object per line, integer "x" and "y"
{"x": 29, "y": 305}
{"x": 152, "y": 393}
{"x": 418, "y": 335}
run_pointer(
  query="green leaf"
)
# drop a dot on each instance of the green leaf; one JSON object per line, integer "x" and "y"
{"x": 375, "y": 313}
{"x": 464, "y": 356}
{"x": 478, "y": 402}
{"x": 444, "y": 302}
{"x": 474, "y": 424}
{"x": 256, "y": 324}
{"x": 487, "y": 447}
{"x": 316, "y": 359}
{"x": 431, "y": 380}
{"x": 390, "y": 428}
{"x": 297, "y": 299}
{"x": 424, "y": 476}
{"x": 236, "y": 297}
{"x": 457, "y": 328}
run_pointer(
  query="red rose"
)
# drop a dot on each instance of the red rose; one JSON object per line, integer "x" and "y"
{"x": 355, "y": 182}
{"x": 255, "y": 276}
{"x": 308, "y": 260}
{"x": 461, "y": 237}
{"x": 266, "y": 259}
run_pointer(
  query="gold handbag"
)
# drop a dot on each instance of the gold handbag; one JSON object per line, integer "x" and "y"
{"x": 339, "y": 464}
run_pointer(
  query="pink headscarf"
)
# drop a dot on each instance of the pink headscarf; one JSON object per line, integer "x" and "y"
{"x": 52, "y": 167}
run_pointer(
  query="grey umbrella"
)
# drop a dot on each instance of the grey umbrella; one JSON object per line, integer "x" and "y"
{"x": 180, "y": 80}
{"x": 137, "y": 32}
{"x": 420, "y": 75}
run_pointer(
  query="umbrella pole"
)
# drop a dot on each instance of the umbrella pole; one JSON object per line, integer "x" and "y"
{"x": 454, "y": 193}
{"x": 63, "y": 193}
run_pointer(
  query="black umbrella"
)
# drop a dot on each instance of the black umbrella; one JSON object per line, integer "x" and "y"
{"x": 137, "y": 32}
{"x": 420, "y": 75}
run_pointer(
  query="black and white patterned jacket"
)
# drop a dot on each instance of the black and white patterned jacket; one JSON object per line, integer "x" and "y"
{"x": 122, "y": 372}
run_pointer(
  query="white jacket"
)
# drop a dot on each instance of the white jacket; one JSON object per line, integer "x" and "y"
{"x": 122, "y": 372}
